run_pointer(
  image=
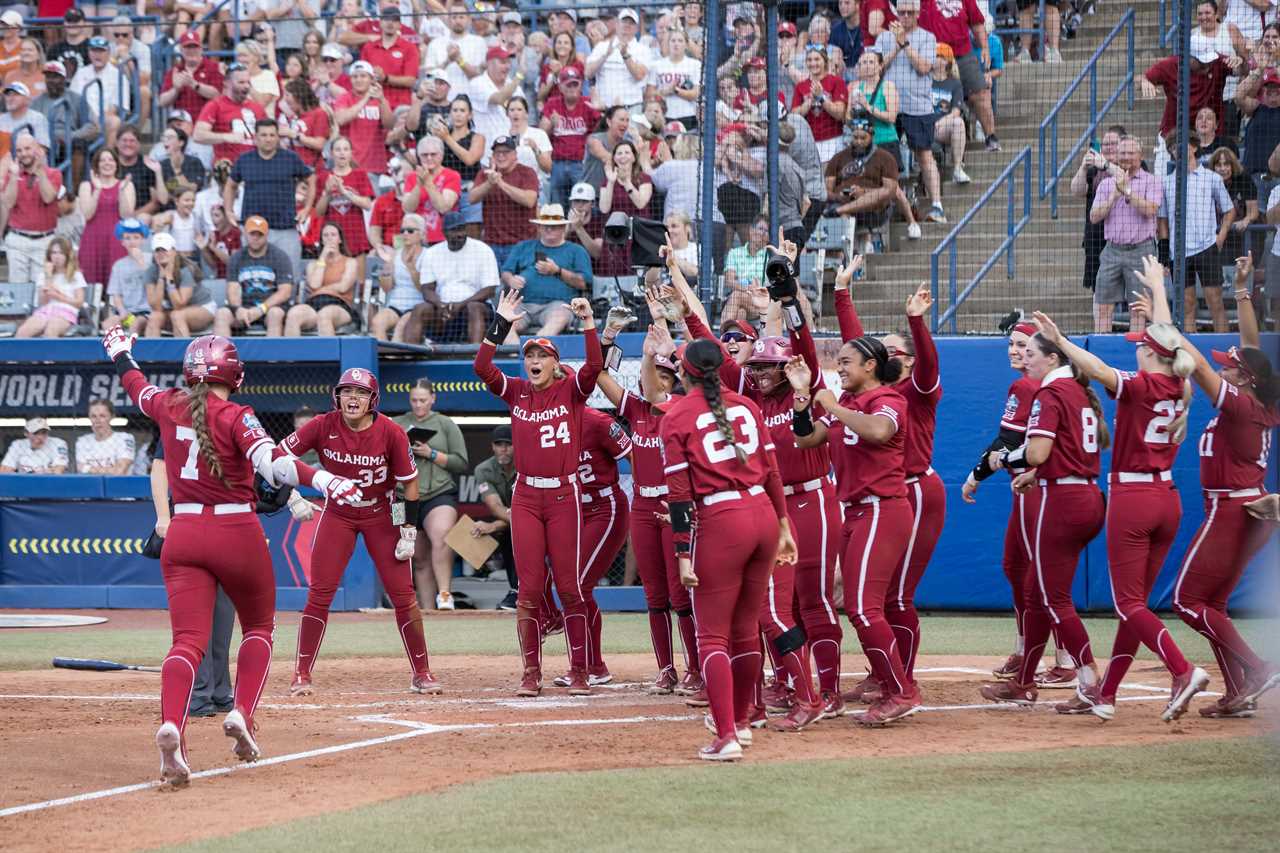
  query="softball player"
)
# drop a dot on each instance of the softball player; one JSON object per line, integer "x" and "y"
{"x": 212, "y": 449}
{"x": 1234, "y": 448}
{"x": 1057, "y": 467}
{"x": 546, "y": 509}
{"x": 867, "y": 431}
{"x": 1143, "y": 510}
{"x": 356, "y": 442}
{"x": 713, "y": 440}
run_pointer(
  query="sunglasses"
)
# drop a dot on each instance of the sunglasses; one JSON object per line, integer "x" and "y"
{"x": 120, "y": 35}
{"x": 732, "y": 337}
{"x": 408, "y": 230}
{"x": 236, "y": 66}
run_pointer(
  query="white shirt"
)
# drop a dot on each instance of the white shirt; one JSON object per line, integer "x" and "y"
{"x": 1247, "y": 19}
{"x": 60, "y": 283}
{"x": 25, "y": 459}
{"x": 115, "y": 89}
{"x": 490, "y": 119}
{"x": 526, "y": 157}
{"x": 1220, "y": 43}
{"x": 613, "y": 81}
{"x": 1207, "y": 199}
{"x": 93, "y": 452}
{"x": 472, "y": 48}
{"x": 664, "y": 72}
{"x": 460, "y": 275}
{"x": 404, "y": 294}
{"x": 1272, "y": 201}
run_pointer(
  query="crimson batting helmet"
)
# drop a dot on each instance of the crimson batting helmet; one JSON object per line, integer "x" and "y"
{"x": 358, "y": 377}
{"x": 772, "y": 350}
{"x": 213, "y": 358}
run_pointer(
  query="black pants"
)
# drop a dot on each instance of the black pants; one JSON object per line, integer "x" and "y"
{"x": 213, "y": 679}
{"x": 508, "y": 558}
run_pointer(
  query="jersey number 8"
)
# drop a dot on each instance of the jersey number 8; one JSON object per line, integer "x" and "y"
{"x": 1089, "y": 423}
{"x": 714, "y": 443}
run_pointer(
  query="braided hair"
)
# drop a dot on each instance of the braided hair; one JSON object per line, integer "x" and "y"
{"x": 702, "y": 360}
{"x": 198, "y": 408}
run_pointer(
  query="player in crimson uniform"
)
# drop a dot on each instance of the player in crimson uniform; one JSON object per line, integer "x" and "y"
{"x": 546, "y": 517}
{"x": 1143, "y": 509}
{"x": 1234, "y": 448}
{"x": 1057, "y": 467}
{"x": 921, "y": 385}
{"x": 867, "y": 429}
{"x": 720, "y": 465}
{"x": 356, "y": 442}
{"x": 212, "y": 448}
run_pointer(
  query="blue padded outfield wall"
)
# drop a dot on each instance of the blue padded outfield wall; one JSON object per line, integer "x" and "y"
{"x": 42, "y": 564}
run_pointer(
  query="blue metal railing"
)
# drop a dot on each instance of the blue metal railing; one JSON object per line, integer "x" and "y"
{"x": 1014, "y": 225}
{"x": 1169, "y": 11}
{"x": 1052, "y": 165}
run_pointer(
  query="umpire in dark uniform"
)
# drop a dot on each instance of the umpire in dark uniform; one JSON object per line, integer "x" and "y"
{"x": 494, "y": 478}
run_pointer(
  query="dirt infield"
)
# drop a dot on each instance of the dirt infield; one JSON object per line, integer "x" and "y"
{"x": 362, "y": 738}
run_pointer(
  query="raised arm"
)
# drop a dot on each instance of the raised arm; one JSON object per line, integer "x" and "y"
{"x": 1245, "y": 315}
{"x": 585, "y": 381}
{"x": 1090, "y": 365}
{"x": 924, "y": 372}
{"x": 507, "y": 314}
{"x": 846, "y": 314}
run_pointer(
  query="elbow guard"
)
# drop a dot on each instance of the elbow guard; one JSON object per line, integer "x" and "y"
{"x": 682, "y": 526}
{"x": 264, "y": 459}
{"x": 1016, "y": 460}
{"x": 802, "y": 422}
{"x": 412, "y": 512}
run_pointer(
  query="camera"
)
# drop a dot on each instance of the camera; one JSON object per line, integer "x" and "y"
{"x": 781, "y": 277}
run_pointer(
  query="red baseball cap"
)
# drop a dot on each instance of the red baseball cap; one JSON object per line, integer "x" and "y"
{"x": 786, "y": 28}
{"x": 568, "y": 73}
{"x": 740, "y": 326}
{"x": 190, "y": 37}
{"x": 497, "y": 52}
{"x": 1231, "y": 358}
{"x": 1271, "y": 77}
{"x": 755, "y": 62}
{"x": 541, "y": 343}
{"x": 1145, "y": 338}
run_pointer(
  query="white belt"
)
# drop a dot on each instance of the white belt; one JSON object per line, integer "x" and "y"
{"x": 1238, "y": 493}
{"x": 218, "y": 509}
{"x": 651, "y": 491}
{"x": 869, "y": 499}
{"x": 549, "y": 482}
{"x": 928, "y": 472}
{"x": 721, "y": 497}
{"x": 1132, "y": 477}
{"x": 807, "y": 486}
{"x": 1069, "y": 481}
{"x": 588, "y": 497}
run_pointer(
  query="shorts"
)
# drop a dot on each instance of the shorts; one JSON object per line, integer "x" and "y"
{"x": 919, "y": 130}
{"x": 971, "y": 76}
{"x": 325, "y": 300}
{"x": 425, "y": 507}
{"x": 457, "y": 327}
{"x": 895, "y": 149}
{"x": 57, "y": 311}
{"x": 536, "y": 313}
{"x": 1117, "y": 274}
{"x": 1207, "y": 266}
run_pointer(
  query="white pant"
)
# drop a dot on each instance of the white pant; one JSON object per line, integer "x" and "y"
{"x": 26, "y": 256}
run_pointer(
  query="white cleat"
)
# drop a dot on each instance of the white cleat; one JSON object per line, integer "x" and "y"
{"x": 1184, "y": 689}
{"x": 744, "y": 734}
{"x": 234, "y": 726}
{"x": 174, "y": 771}
{"x": 726, "y": 749}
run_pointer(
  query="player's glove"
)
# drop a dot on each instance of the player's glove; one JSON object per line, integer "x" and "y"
{"x": 408, "y": 537}
{"x": 343, "y": 491}
{"x": 300, "y": 508}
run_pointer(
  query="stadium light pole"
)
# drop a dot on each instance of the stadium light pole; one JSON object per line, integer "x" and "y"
{"x": 714, "y": 29}
{"x": 771, "y": 97}
{"x": 1178, "y": 239}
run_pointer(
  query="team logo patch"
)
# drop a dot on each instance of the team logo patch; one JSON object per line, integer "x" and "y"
{"x": 357, "y": 375}
{"x": 1034, "y": 420}
{"x": 615, "y": 431}
{"x": 1011, "y": 406}
{"x": 251, "y": 421}
{"x": 758, "y": 346}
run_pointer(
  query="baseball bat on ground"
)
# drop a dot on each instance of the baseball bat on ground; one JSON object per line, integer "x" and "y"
{"x": 100, "y": 665}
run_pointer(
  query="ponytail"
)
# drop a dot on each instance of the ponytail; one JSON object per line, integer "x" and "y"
{"x": 1183, "y": 364}
{"x": 1266, "y": 382}
{"x": 198, "y": 408}
{"x": 1104, "y": 434}
{"x": 710, "y": 385}
{"x": 888, "y": 370}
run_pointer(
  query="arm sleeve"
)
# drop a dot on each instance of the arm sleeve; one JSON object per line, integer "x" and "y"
{"x": 924, "y": 373}
{"x": 457, "y": 449}
{"x": 584, "y": 383}
{"x": 1004, "y": 440}
{"x": 847, "y": 316}
{"x": 617, "y": 442}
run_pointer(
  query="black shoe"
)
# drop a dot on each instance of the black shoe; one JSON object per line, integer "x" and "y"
{"x": 224, "y": 706}
{"x": 202, "y": 711}
{"x": 993, "y": 143}
{"x": 508, "y": 603}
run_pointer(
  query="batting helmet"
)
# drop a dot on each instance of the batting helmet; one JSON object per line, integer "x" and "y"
{"x": 666, "y": 362}
{"x": 772, "y": 350}
{"x": 213, "y": 358}
{"x": 358, "y": 377}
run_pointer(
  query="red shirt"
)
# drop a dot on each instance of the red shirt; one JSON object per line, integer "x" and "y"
{"x": 208, "y": 73}
{"x": 923, "y": 390}
{"x": 622, "y": 202}
{"x": 863, "y": 468}
{"x": 368, "y": 136}
{"x": 224, "y": 115}
{"x": 604, "y": 442}
{"x": 546, "y": 425}
{"x": 377, "y": 459}
{"x": 29, "y": 212}
{"x": 399, "y": 60}
{"x": 1206, "y": 89}
{"x": 570, "y": 127}
{"x": 647, "y": 461}
{"x": 314, "y": 123}
{"x": 345, "y": 213}
{"x": 387, "y": 214}
{"x": 545, "y": 71}
{"x": 506, "y": 222}
{"x": 824, "y": 127}
{"x": 1061, "y": 411}
{"x": 1146, "y": 404}
{"x": 229, "y": 242}
{"x": 1017, "y": 409}
{"x": 445, "y": 179}
{"x": 1235, "y": 445}
{"x": 867, "y": 7}
{"x": 951, "y": 22}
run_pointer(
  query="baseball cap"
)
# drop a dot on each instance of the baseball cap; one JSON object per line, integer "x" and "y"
{"x": 740, "y": 326}
{"x": 674, "y": 128}
{"x": 190, "y": 37}
{"x": 786, "y": 28}
{"x": 256, "y": 223}
{"x": 37, "y": 425}
{"x": 1204, "y": 57}
{"x": 438, "y": 74}
{"x": 12, "y": 19}
{"x": 628, "y": 13}
{"x": 582, "y": 192}
{"x": 513, "y": 18}
{"x": 390, "y": 10}
{"x": 73, "y": 16}
{"x": 909, "y": 5}
{"x": 98, "y": 43}
{"x": 542, "y": 343}
{"x": 641, "y": 120}
{"x": 501, "y": 434}
{"x": 945, "y": 51}
{"x": 361, "y": 66}
{"x": 55, "y": 67}
{"x": 19, "y": 87}
{"x": 568, "y": 73}
{"x": 755, "y": 62}
{"x": 570, "y": 12}
{"x": 132, "y": 225}
{"x": 163, "y": 240}
{"x": 1271, "y": 77}
{"x": 332, "y": 51}
{"x": 742, "y": 17}
{"x": 455, "y": 219}
{"x": 497, "y": 52}
{"x": 179, "y": 115}
{"x": 506, "y": 142}
{"x": 1232, "y": 358}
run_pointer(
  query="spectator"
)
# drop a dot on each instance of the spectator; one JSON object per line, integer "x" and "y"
{"x": 744, "y": 40}
{"x": 432, "y": 190}
{"x": 211, "y": 196}
{"x": 534, "y": 149}
{"x": 1272, "y": 274}
{"x": 181, "y": 120}
{"x": 568, "y": 118}
{"x": 219, "y": 243}
{"x": 1245, "y": 17}
{"x": 1094, "y": 166}
{"x": 110, "y": 97}
{"x": 509, "y": 193}
{"x": 1205, "y": 132}
{"x": 18, "y": 117}
{"x": 364, "y": 116}
{"x": 460, "y": 53}
{"x": 910, "y": 53}
{"x": 103, "y": 450}
{"x": 297, "y": 68}
{"x": 60, "y": 293}
{"x": 822, "y": 98}
{"x": 104, "y": 200}
{"x": 950, "y": 129}
{"x": 678, "y": 178}
{"x": 182, "y": 224}
{"x": 744, "y": 272}
{"x": 626, "y": 188}
{"x": 400, "y": 278}
{"x": 71, "y": 121}
{"x": 264, "y": 87}
{"x": 269, "y": 175}
{"x": 38, "y": 453}
{"x": 691, "y": 17}
{"x": 1127, "y": 201}
{"x": 343, "y": 198}
{"x": 327, "y": 77}
{"x": 677, "y": 79}
{"x": 1027, "y": 13}
{"x": 791, "y": 68}
{"x": 127, "y": 285}
{"x": 1258, "y": 97}
{"x": 495, "y": 478}
{"x": 178, "y": 171}
{"x": 738, "y": 177}
{"x": 430, "y": 100}
{"x": 749, "y": 103}
{"x": 876, "y": 98}
{"x": 259, "y": 284}
{"x": 228, "y": 121}
{"x": 179, "y": 301}
{"x": 527, "y": 52}
{"x": 489, "y": 93}
{"x": 862, "y": 180}
{"x": 680, "y": 236}
{"x": 30, "y": 70}
{"x": 1210, "y": 213}
{"x": 331, "y": 287}
{"x": 549, "y": 273}
{"x": 649, "y": 136}
{"x": 394, "y": 58}
{"x": 143, "y": 173}
{"x": 132, "y": 57}
{"x": 73, "y": 50}
{"x": 586, "y": 226}
{"x": 29, "y": 191}
{"x": 385, "y": 216}
{"x": 442, "y": 458}
{"x": 1244, "y": 198}
{"x": 464, "y": 149}
{"x": 1209, "y": 74}
{"x": 793, "y": 203}
{"x": 302, "y": 416}
{"x": 846, "y": 32}
{"x": 457, "y": 284}
{"x": 957, "y": 25}
{"x": 194, "y": 80}
{"x": 618, "y": 66}
{"x": 11, "y": 24}
{"x": 309, "y": 127}
{"x": 313, "y": 43}
{"x": 563, "y": 54}
{"x": 352, "y": 27}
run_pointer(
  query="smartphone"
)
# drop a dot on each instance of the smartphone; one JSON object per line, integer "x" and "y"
{"x": 420, "y": 435}
{"x": 538, "y": 257}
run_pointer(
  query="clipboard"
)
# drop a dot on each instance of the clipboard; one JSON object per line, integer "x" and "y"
{"x": 474, "y": 549}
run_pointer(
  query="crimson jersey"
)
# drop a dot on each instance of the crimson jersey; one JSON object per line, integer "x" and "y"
{"x": 236, "y": 435}
{"x": 647, "y": 461}
{"x": 923, "y": 390}
{"x": 546, "y": 425}
{"x": 1235, "y": 445}
{"x": 1061, "y": 411}
{"x": 795, "y": 464}
{"x": 700, "y": 461}
{"x": 604, "y": 442}
{"x": 863, "y": 468}
{"x": 1017, "y": 409}
{"x": 1146, "y": 404}
{"x": 376, "y": 459}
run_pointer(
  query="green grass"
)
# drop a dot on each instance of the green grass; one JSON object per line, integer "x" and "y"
{"x": 1222, "y": 795}
{"x": 943, "y": 635}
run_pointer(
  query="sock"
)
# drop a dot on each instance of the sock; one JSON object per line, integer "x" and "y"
{"x": 529, "y": 635}
{"x": 826, "y": 659}
{"x": 1038, "y": 627}
{"x": 1122, "y": 652}
{"x": 718, "y": 673}
{"x": 796, "y": 675}
{"x": 688, "y": 639}
{"x": 310, "y": 635}
{"x": 1148, "y": 628}
{"x": 579, "y": 639}
{"x": 906, "y": 631}
{"x": 660, "y": 635}
{"x": 409, "y": 623}
{"x": 746, "y": 669}
{"x": 1075, "y": 643}
{"x": 177, "y": 676}
{"x": 253, "y": 665}
{"x": 878, "y": 645}
{"x": 595, "y": 660}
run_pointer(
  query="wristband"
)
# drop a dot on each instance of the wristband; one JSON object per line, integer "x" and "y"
{"x": 498, "y": 330}
{"x": 411, "y": 512}
{"x": 1016, "y": 459}
{"x": 124, "y": 363}
{"x": 431, "y": 457}
{"x": 802, "y": 422}
{"x": 682, "y": 526}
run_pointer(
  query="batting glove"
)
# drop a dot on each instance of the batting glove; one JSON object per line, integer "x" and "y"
{"x": 404, "y": 548}
{"x": 343, "y": 491}
{"x": 118, "y": 342}
{"x": 301, "y": 508}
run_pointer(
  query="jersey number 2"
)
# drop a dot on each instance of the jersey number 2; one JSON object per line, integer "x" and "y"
{"x": 714, "y": 443}
{"x": 1158, "y": 429}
